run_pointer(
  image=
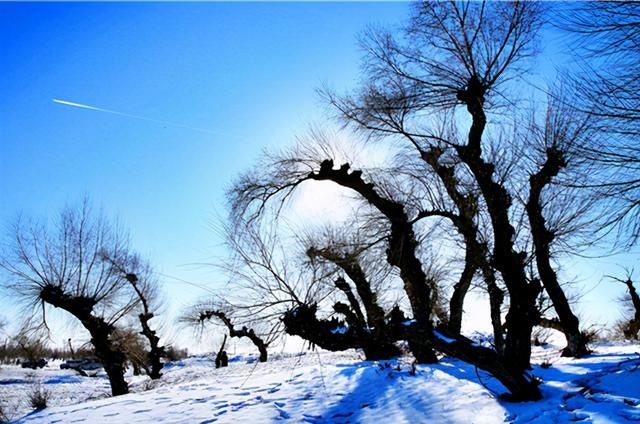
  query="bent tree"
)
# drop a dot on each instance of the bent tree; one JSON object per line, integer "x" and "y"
{"x": 278, "y": 178}
{"x": 61, "y": 266}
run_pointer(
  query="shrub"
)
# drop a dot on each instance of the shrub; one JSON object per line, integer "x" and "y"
{"x": 38, "y": 397}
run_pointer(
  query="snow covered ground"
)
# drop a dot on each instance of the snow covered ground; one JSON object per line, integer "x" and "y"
{"x": 339, "y": 388}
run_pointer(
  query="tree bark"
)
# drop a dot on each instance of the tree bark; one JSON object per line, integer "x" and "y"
{"x": 510, "y": 263}
{"x": 542, "y": 239}
{"x": 401, "y": 252}
{"x": 112, "y": 358}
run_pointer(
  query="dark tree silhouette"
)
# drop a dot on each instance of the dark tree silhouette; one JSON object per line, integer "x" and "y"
{"x": 139, "y": 275}
{"x": 63, "y": 267}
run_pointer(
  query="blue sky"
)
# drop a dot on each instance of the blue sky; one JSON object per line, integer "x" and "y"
{"x": 246, "y": 72}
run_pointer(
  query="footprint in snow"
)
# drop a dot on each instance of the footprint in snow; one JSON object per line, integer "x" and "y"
{"x": 579, "y": 417}
{"x": 238, "y": 403}
{"x": 342, "y": 415}
{"x": 282, "y": 414}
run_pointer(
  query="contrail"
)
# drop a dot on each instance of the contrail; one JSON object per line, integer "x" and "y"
{"x": 144, "y": 118}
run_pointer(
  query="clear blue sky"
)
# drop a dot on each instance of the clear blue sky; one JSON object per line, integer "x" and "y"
{"x": 244, "y": 71}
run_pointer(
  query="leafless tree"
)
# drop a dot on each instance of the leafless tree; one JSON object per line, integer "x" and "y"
{"x": 61, "y": 266}
{"x": 605, "y": 83}
{"x": 203, "y": 312}
{"x": 31, "y": 343}
{"x": 630, "y": 326}
{"x": 140, "y": 277}
{"x": 458, "y": 53}
{"x": 130, "y": 341}
{"x": 273, "y": 182}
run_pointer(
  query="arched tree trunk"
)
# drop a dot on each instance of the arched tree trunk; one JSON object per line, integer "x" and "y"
{"x": 112, "y": 358}
{"x": 234, "y": 332}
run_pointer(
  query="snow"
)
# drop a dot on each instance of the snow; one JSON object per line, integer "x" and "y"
{"x": 341, "y": 387}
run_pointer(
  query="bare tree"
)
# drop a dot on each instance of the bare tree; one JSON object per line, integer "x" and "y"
{"x": 275, "y": 181}
{"x": 201, "y": 313}
{"x": 62, "y": 266}
{"x": 630, "y": 326}
{"x": 606, "y": 38}
{"x": 31, "y": 343}
{"x": 458, "y": 53}
{"x": 141, "y": 279}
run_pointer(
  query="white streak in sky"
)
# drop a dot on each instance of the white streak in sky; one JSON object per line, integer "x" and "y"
{"x": 144, "y": 118}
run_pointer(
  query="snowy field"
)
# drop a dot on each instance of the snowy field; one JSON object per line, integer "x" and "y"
{"x": 338, "y": 388}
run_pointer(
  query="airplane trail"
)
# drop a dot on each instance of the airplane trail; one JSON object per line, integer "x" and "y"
{"x": 128, "y": 115}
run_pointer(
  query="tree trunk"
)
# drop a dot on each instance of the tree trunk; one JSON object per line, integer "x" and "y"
{"x": 220, "y": 357}
{"x": 542, "y": 239}
{"x": 112, "y": 357}
{"x": 456, "y": 304}
{"x": 510, "y": 263}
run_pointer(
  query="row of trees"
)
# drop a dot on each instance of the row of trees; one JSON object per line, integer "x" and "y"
{"x": 508, "y": 186}
{"x": 482, "y": 189}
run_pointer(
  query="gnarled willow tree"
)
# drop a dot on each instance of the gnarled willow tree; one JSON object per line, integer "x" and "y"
{"x": 63, "y": 265}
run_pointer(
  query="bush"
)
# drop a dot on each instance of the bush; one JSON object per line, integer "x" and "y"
{"x": 38, "y": 397}
{"x": 175, "y": 354}
{"x": 3, "y": 417}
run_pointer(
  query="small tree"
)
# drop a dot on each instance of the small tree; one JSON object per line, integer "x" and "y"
{"x": 199, "y": 314}
{"x": 630, "y": 325}
{"x": 140, "y": 277}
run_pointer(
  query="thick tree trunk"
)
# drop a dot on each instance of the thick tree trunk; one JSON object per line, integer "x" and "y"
{"x": 334, "y": 335}
{"x": 511, "y": 264}
{"x": 456, "y": 304}
{"x": 113, "y": 358}
{"x": 542, "y": 239}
